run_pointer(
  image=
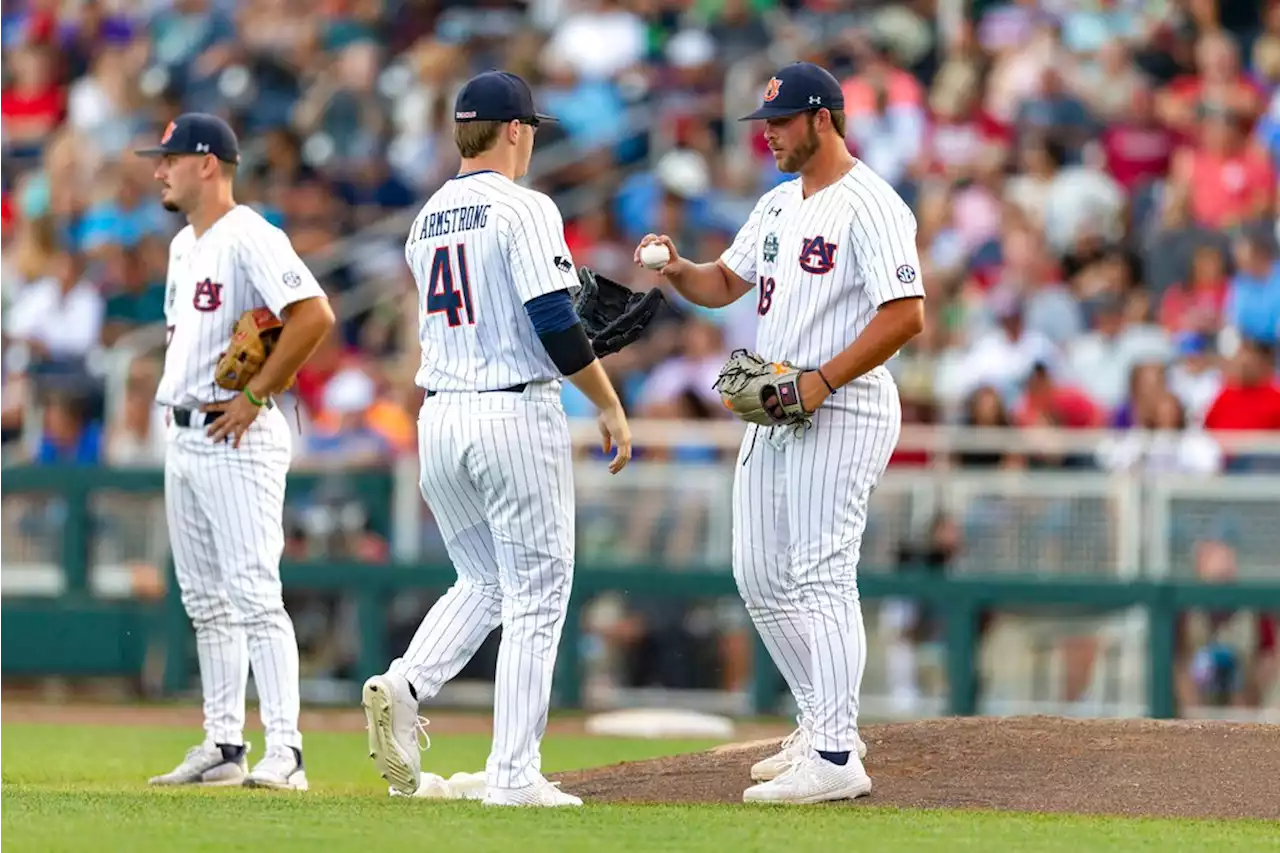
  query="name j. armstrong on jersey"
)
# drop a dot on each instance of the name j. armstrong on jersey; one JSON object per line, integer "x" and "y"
{"x": 451, "y": 221}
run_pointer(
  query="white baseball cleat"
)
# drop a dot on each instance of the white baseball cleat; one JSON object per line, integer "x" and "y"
{"x": 812, "y": 779}
{"x": 540, "y": 793}
{"x": 281, "y": 770}
{"x": 798, "y": 744}
{"x": 210, "y": 765}
{"x": 397, "y": 735}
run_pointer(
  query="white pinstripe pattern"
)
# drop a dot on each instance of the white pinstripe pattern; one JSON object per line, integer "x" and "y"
{"x": 800, "y": 502}
{"x": 510, "y": 259}
{"x": 224, "y": 508}
{"x": 497, "y": 471}
{"x": 224, "y": 505}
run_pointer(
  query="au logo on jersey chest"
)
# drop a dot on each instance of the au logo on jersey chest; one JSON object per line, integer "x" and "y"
{"x": 817, "y": 255}
{"x": 208, "y": 295}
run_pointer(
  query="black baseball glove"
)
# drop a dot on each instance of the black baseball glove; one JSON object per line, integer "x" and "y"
{"x": 612, "y": 314}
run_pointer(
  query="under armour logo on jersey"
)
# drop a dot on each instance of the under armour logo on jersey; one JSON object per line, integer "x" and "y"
{"x": 208, "y": 295}
{"x": 817, "y": 255}
{"x": 774, "y": 211}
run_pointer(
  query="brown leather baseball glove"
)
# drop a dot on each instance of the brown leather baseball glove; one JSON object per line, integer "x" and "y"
{"x": 252, "y": 341}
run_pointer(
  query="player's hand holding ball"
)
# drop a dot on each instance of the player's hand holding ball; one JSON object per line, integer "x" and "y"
{"x": 657, "y": 252}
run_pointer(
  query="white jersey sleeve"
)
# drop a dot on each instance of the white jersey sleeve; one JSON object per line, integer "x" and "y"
{"x": 741, "y": 255}
{"x": 540, "y": 259}
{"x": 270, "y": 265}
{"x": 884, "y": 236}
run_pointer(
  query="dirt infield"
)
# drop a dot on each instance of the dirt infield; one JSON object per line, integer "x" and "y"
{"x": 1034, "y": 764}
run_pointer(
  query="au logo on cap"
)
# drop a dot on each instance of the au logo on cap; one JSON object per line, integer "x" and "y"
{"x": 168, "y": 132}
{"x": 771, "y": 91}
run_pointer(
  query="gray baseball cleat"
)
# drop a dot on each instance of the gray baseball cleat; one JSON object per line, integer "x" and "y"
{"x": 209, "y": 764}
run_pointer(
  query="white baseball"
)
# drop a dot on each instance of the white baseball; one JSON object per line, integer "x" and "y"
{"x": 655, "y": 256}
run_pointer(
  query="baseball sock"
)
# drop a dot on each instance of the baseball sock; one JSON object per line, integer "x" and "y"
{"x": 839, "y": 758}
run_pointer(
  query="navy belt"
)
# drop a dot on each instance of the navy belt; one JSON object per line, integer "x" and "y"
{"x": 514, "y": 389}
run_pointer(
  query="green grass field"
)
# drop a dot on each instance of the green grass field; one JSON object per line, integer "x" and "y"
{"x": 84, "y": 789}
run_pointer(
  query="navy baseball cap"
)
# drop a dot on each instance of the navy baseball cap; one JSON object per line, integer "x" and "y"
{"x": 799, "y": 88}
{"x": 197, "y": 133}
{"x": 497, "y": 96}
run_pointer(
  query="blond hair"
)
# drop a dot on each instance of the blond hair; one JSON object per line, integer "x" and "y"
{"x": 473, "y": 138}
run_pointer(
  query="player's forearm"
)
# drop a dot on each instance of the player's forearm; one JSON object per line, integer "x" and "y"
{"x": 893, "y": 325}
{"x": 709, "y": 285}
{"x": 594, "y": 383}
{"x": 307, "y": 324}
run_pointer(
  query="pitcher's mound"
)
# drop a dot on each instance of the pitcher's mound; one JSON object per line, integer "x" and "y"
{"x": 1035, "y": 764}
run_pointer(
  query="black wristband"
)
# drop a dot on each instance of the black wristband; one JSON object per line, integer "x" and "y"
{"x": 823, "y": 377}
{"x": 570, "y": 349}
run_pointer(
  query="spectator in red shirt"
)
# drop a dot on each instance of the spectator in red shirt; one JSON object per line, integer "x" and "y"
{"x": 1228, "y": 181}
{"x": 1047, "y": 403}
{"x": 1138, "y": 148}
{"x": 1196, "y": 306}
{"x": 1219, "y": 81}
{"x": 1250, "y": 399}
{"x": 33, "y": 106}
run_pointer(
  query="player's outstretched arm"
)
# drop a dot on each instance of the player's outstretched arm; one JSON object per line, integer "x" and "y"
{"x": 566, "y": 342}
{"x": 711, "y": 285}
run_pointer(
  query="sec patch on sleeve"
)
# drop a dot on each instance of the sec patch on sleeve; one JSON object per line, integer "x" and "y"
{"x": 292, "y": 279}
{"x": 906, "y": 273}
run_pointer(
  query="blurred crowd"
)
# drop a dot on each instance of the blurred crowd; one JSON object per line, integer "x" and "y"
{"x": 1095, "y": 183}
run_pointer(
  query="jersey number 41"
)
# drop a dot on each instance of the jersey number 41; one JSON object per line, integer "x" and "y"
{"x": 442, "y": 295}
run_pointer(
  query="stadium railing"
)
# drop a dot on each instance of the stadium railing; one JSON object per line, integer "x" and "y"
{"x": 87, "y": 586}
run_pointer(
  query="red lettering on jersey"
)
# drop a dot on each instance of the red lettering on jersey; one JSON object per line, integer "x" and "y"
{"x": 208, "y": 295}
{"x": 817, "y": 255}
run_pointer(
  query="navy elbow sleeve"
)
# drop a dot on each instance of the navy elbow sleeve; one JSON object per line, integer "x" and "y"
{"x": 551, "y": 312}
{"x": 570, "y": 349}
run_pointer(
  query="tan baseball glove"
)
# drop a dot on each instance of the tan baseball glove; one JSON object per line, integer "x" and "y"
{"x": 252, "y": 341}
{"x": 762, "y": 392}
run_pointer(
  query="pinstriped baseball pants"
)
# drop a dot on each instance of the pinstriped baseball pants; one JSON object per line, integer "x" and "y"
{"x": 225, "y": 513}
{"x": 799, "y": 512}
{"x": 497, "y": 472}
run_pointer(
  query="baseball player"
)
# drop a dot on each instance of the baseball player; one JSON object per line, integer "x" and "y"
{"x": 832, "y": 258}
{"x": 498, "y": 330}
{"x": 228, "y": 453}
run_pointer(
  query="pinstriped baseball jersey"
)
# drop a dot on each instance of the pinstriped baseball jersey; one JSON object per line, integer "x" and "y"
{"x": 242, "y": 262}
{"x": 480, "y": 248}
{"x": 823, "y": 265}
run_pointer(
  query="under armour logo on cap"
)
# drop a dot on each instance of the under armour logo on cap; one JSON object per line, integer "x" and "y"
{"x": 815, "y": 99}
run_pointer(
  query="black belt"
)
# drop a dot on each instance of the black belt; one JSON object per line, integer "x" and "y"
{"x": 514, "y": 389}
{"x": 193, "y": 417}
{"x": 196, "y": 418}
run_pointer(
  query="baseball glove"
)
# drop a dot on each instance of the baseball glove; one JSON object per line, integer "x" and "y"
{"x": 252, "y": 341}
{"x": 762, "y": 392}
{"x": 613, "y": 315}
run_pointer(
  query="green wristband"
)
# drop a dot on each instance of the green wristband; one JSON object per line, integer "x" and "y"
{"x": 253, "y": 399}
